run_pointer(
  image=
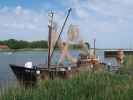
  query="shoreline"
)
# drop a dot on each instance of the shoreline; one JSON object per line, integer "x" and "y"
{"x": 40, "y": 49}
{"x": 22, "y": 50}
{"x": 29, "y": 49}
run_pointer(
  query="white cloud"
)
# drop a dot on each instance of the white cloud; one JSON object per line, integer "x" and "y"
{"x": 108, "y": 18}
{"x": 23, "y": 21}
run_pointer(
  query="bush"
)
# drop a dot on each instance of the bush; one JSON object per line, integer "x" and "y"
{"x": 127, "y": 67}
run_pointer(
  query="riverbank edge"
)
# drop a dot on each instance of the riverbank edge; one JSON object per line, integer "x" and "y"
{"x": 22, "y": 50}
{"x": 36, "y": 49}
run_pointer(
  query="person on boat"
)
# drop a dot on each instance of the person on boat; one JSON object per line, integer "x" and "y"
{"x": 28, "y": 64}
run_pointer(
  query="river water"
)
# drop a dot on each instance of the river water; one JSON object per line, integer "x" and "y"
{"x": 6, "y": 75}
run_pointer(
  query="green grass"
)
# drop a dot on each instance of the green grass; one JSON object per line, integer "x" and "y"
{"x": 128, "y": 61}
{"x": 86, "y": 86}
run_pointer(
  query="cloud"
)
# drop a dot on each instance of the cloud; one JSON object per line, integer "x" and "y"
{"x": 23, "y": 21}
{"x": 112, "y": 20}
{"x": 26, "y": 24}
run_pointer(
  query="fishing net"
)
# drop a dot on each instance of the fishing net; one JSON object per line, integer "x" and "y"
{"x": 74, "y": 36}
{"x": 84, "y": 50}
{"x": 54, "y": 35}
{"x": 65, "y": 54}
{"x": 73, "y": 33}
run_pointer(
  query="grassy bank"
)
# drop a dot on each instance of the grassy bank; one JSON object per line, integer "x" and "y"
{"x": 92, "y": 86}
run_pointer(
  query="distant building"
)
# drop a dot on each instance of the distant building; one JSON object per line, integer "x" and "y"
{"x": 4, "y": 47}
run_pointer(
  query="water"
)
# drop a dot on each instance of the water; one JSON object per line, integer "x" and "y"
{"x": 6, "y": 58}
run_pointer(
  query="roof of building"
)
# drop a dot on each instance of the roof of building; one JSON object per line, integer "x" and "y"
{"x": 3, "y": 47}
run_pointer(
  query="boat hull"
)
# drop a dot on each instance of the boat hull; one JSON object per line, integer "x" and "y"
{"x": 24, "y": 75}
{"x": 30, "y": 76}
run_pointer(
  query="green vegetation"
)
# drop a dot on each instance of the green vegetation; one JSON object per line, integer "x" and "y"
{"x": 86, "y": 86}
{"x": 20, "y": 44}
{"x": 127, "y": 67}
{"x": 15, "y": 44}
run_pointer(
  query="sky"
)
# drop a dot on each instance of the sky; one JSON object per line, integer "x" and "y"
{"x": 110, "y": 20}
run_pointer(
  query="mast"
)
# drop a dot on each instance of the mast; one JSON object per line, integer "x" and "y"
{"x": 94, "y": 43}
{"x": 49, "y": 39}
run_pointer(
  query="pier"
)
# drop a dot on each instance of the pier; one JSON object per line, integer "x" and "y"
{"x": 113, "y": 52}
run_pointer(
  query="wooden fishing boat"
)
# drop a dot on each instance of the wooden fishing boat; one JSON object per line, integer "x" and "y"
{"x": 30, "y": 76}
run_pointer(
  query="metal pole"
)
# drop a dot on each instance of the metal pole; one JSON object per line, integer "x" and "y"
{"x": 49, "y": 41}
{"x": 94, "y": 47}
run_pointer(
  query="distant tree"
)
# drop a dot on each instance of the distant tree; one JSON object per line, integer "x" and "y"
{"x": 12, "y": 43}
{"x": 15, "y": 44}
{"x": 20, "y": 44}
{"x": 39, "y": 44}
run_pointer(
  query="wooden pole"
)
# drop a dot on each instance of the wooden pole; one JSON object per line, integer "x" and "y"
{"x": 49, "y": 41}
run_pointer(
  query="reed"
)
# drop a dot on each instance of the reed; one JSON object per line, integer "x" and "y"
{"x": 85, "y": 86}
{"x": 127, "y": 67}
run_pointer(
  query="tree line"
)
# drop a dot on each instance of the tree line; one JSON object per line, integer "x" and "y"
{"x": 21, "y": 44}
